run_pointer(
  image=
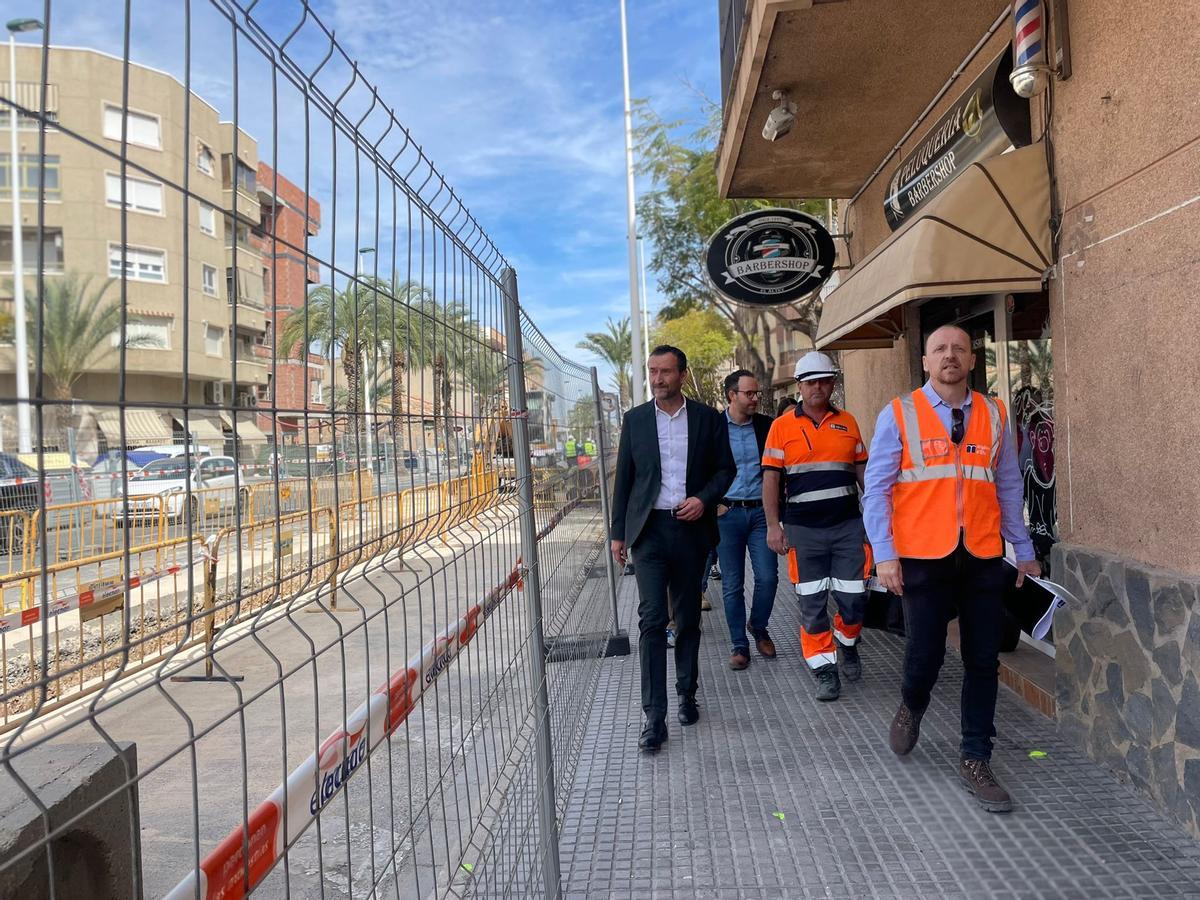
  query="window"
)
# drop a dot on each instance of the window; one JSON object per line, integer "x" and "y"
{"x": 208, "y": 220}
{"x": 142, "y": 129}
{"x": 145, "y": 333}
{"x": 30, "y": 96}
{"x": 240, "y": 230}
{"x": 208, "y": 279}
{"x": 52, "y": 250}
{"x": 205, "y": 160}
{"x": 246, "y": 179}
{"x": 214, "y": 340}
{"x": 141, "y": 263}
{"x": 317, "y": 390}
{"x": 140, "y": 195}
{"x": 31, "y": 174}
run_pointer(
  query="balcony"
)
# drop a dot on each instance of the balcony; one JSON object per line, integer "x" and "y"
{"x": 860, "y": 74}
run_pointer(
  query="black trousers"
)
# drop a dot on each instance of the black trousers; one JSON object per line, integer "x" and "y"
{"x": 934, "y": 591}
{"x": 669, "y": 559}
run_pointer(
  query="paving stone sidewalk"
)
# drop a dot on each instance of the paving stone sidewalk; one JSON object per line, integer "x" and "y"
{"x": 775, "y": 795}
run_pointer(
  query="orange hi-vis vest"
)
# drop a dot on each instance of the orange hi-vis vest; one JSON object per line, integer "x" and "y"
{"x": 944, "y": 490}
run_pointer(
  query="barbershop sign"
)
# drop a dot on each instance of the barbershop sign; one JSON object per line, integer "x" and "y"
{"x": 984, "y": 121}
{"x": 768, "y": 257}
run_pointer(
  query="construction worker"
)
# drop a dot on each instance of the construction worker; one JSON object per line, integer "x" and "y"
{"x": 943, "y": 492}
{"x": 818, "y": 451}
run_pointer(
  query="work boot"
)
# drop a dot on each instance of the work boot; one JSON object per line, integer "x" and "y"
{"x": 906, "y": 728}
{"x": 714, "y": 573}
{"x": 851, "y": 664}
{"x": 829, "y": 685}
{"x": 689, "y": 712}
{"x": 766, "y": 646}
{"x": 976, "y": 776}
{"x": 739, "y": 659}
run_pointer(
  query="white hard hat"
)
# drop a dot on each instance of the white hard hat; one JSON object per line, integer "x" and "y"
{"x": 814, "y": 365}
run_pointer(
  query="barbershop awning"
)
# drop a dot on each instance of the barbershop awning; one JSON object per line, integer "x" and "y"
{"x": 142, "y": 427}
{"x": 987, "y": 233}
{"x": 248, "y": 431}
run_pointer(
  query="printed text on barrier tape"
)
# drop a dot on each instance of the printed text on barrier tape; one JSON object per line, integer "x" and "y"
{"x": 67, "y": 600}
{"x": 320, "y": 778}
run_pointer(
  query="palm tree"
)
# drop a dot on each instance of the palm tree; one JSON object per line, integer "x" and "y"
{"x": 615, "y": 348}
{"x": 77, "y": 328}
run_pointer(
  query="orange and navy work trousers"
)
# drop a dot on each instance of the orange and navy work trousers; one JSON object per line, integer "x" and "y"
{"x": 821, "y": 562}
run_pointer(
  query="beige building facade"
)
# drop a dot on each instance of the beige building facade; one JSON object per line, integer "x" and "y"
{"x": 183, "y": 264}
{"x": 1069, "y": 254}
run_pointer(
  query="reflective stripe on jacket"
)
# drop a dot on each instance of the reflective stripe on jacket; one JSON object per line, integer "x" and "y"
{"x": 944, "y": 488}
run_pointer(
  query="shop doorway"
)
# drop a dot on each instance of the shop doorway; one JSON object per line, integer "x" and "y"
{"x": 1010, "y": 336}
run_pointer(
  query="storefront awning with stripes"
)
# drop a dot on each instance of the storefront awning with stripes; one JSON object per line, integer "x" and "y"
{"x": 247, "y": 431}
{"x": 987, "y": 233}
{"x": 142, "y": 426}
{"x": 205, "y": 428}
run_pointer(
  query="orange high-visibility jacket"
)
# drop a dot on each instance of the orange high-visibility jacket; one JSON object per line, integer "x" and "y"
{"x": 943, "y": 489}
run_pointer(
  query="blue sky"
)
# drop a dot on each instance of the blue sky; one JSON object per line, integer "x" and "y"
{"x": 518, "y": 103}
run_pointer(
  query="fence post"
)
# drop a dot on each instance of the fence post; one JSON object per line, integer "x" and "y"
{"x": 547, "y": 813}
{"x": 610, "y": 567}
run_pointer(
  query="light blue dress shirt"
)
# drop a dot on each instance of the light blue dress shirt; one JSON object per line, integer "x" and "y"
{"x": 883, "y": 468}
{"x": 744, "y": 444}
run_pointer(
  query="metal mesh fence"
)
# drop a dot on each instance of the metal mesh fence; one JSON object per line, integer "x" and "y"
{"x": 301, "y": 519}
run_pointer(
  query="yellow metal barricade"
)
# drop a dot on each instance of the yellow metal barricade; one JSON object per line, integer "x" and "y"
{"x": 96, "y": 527}
{"x": 86, "y": 602}
{"x": 263, "y": 563}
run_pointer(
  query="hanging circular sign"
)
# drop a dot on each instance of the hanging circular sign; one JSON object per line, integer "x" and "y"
{"x": 770, "y": 256}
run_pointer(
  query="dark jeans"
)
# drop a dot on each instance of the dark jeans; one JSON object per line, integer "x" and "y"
{"x": 934, "y": 589}
{"x": 669, "y": 559}
{"x": 745, "y": 529}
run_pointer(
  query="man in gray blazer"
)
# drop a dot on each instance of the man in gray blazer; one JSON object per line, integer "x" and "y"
{"x": 673, "y": 467}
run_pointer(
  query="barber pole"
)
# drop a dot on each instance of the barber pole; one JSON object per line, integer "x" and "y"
{"x": 1030, "y": 71}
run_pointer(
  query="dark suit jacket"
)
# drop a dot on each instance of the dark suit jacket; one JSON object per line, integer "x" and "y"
{"x": 710, "y": 469}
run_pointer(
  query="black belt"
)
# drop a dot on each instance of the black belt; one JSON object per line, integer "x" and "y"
{"x": 748, "y": 504}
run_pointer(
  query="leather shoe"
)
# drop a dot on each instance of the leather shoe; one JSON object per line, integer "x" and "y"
{"x": 906, "y": 728}
{"x": 766, "y": 646}
{"x": 652, "y": 737}
{"x": 739, "y": 659}
{"x": 976, "y": 776}
{"x": 689, "y": 712}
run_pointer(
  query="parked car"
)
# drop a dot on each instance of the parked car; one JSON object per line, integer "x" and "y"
{"x": 105, "y": 475}
{"x": 19, "y": 491}
{"x": 212, "y": 487}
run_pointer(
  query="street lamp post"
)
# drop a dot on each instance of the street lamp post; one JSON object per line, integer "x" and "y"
{"x": 368, "y": 394}
{"x": 21, "y": 354}
{"x": 637, "y": 364}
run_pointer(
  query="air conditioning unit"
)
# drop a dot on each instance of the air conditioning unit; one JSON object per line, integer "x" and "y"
{"x": 214, "y": 393}
{"x": 247, "y": 398}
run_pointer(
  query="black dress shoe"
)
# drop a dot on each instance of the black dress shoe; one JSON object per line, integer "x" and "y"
{"x": 653, "y": 736}
{"x": 689, "y": 712}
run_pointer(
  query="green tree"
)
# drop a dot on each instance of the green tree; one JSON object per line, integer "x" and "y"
{"x": 614, "y": 346}
{"x": 708, "y": 341}
{"x": 680, "y": 214}
{"x": 78, "y": 324}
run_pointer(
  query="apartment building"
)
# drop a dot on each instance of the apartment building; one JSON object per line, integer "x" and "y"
{"x": 186, "y": 266}
{"x": 294, "y": 403}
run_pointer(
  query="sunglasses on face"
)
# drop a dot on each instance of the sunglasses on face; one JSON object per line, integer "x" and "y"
{"x": 957, "y": 428}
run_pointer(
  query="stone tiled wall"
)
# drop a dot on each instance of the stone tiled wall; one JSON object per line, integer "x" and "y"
{"x": 1128, "y": 682}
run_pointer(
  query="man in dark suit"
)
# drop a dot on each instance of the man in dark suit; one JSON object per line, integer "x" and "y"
{"x": 673, "y": 467}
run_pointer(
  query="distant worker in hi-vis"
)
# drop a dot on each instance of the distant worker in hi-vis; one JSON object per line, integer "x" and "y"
{"x": 943, "y": 493}
{"x": 818, "y": 451}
